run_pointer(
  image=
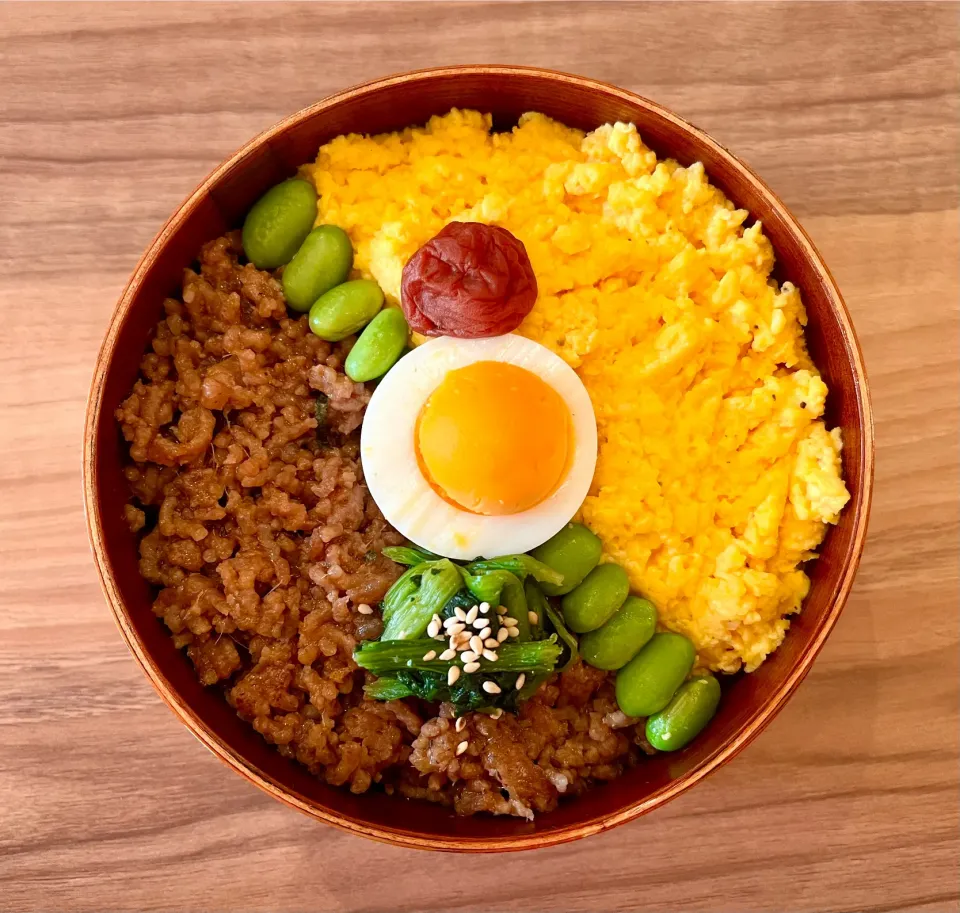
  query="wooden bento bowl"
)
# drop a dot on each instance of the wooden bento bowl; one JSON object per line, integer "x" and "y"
{"x": 219, "y": 203}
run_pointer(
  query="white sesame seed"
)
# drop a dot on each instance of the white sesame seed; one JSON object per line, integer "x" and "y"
{"x": 497, "y": 713}
{"x": 514, "y": 631}
{"x": 521, "y": 678}
{"x": 468, "y": 656}
{"x": 485, "y": 633}
{"x": 460, "y": 614}
{"x": 453, "y": 674}
{"x": 451, "y": 621}
{"x": 490, "y": 656}
{"x": 448, "y": 655}
{"x": 509, "y": 621}
{"x": 472, "y": 615}
{"x": 471, "y": 667}
{"x": 480, "y": 623}
{"x": 476, "y": 644}
{"x": 462, "y": 747}
{"x": 364, "y": 609}
{"x": 533, "y": 618}
{"x": 455, "y": 629}
{"x": 460, "y": 724}
{"x": 484, "y": 607}
{"x": 491, "y": 687}
{"x": 429, "y": 655}
{"x": 502, "y": 635}
{"x": 491, "y": 643}
{"x": 433, "y": 629}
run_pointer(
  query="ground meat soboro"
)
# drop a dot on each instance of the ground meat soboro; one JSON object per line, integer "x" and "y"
{"x": 263, "y": 542}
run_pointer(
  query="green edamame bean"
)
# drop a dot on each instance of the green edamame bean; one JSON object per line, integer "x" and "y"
{"x": 379, "y": 346}
{"x": 324, "y": 260}
{"x": 615, "y": 643}
{"x": 593, "y": 602}
{"x": 685, "y": 717}
{"x": 278, "y": 222}
{"x": 574, "y": 552}
{"x": 646, "y": 684}
{"x": 345, "y": 309}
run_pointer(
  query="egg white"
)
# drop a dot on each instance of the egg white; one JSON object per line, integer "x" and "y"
{"x": 388, "y": 451}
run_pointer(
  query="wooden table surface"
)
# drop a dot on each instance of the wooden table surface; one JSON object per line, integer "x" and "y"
{"x": 109, "y": 116}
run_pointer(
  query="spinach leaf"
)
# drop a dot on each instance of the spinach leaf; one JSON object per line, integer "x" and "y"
{"x": 462, "y": 599}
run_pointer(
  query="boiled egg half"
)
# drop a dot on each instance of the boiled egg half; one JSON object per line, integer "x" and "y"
{"x": 479, "y": 447}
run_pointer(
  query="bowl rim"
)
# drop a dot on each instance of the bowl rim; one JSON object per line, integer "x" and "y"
{"x": 409, "y": 838}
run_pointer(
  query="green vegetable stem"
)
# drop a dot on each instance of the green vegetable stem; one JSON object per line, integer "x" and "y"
{"x": 388, "y": 657}
{"x": 488, "y": 586}
{"x": 536, "y": 604}
{"x": 408, "y": 611}
{"x": 410, "y": 555}
{"x": 520, "y": 566}
{"x": 569, "y": 640}
{"x": 388, "y": 689}
{"x": 514, "y": 603}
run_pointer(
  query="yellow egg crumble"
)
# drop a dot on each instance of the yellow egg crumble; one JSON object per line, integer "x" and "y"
{"x": 716, "y": 476}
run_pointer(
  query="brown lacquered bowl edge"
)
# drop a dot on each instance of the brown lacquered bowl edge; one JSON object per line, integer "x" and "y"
{"x": 861, "y": 500}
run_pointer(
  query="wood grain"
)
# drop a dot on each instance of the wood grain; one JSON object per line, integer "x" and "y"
{"x": 110, "y": 114}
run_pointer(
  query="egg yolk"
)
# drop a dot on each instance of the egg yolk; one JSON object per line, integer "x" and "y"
{"x": 494, "y": 438}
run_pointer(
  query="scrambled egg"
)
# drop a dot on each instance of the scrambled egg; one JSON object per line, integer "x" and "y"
{"x": 716, "y": 476}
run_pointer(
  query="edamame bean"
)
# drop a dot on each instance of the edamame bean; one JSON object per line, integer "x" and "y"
{"x": 593, "y": 602}
{"x": 379, "y": 346}
{"x": 323, "y": 261}
{"x": 345, "y": 309}
{"x": 646, "y": 684}
{"x": 278, "y": 222}
{"x": 615, "y": 643}
{"x": 685, "y": 717}
{"x": 574, "y": 552}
